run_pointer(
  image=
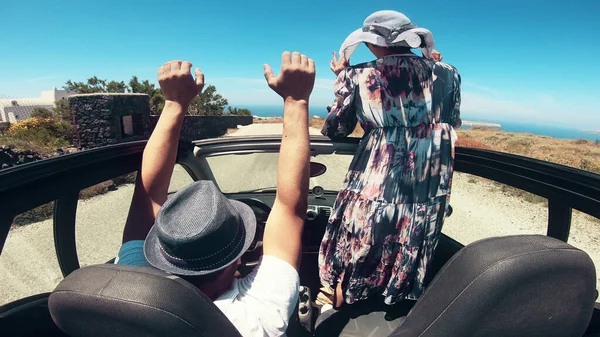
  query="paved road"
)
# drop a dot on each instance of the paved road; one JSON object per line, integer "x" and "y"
{"x": 29, "y": 265}
{"x": 28, "y": 262}
{"x": 254, "y": 171}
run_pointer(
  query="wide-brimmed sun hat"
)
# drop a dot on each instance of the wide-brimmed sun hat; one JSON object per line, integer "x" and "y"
{"x": 386, "y": 29}
{"x": 199, "y": 231}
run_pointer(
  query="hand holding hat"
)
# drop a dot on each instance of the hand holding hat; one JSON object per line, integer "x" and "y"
{"x": 386, "y": 29}
{"x": 338, "y": 65}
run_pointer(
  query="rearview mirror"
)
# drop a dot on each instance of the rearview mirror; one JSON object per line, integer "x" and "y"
{"x": 317, "y": 169}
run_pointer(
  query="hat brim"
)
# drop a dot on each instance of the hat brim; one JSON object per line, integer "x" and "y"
{"x": 156, "y": 259}
{"x": 412, "y": 38}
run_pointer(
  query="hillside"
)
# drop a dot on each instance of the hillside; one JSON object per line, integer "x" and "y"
{"x": 579, "y": 153}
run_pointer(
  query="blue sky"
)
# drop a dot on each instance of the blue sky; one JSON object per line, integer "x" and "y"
{"x": 530, "y": 61}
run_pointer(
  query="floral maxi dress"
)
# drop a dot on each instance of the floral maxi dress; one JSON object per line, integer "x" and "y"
{"x": 388, "y": 216}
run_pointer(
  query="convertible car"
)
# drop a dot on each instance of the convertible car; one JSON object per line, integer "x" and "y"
{"x": 518, "y": 285}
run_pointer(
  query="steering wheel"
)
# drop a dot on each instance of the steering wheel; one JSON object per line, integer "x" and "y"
{"x": 252, "y": 256}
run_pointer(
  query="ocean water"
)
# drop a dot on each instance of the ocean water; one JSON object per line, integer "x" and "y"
{"x": 543, "y": 130}
{"x": 277, "y": 111}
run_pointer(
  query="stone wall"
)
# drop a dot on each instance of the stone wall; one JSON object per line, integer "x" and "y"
{"x": 105, "y": 119}
{"x": 203, "y": 127}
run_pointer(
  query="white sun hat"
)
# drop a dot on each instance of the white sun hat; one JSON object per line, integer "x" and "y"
{"x": 389, "y": 29}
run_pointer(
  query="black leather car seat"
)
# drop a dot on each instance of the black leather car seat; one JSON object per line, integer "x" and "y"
{"x": 526, "y": 285}
{"x": 116, "y": 300}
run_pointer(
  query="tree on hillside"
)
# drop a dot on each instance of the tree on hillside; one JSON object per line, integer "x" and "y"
{"x": 116, "y": 87}
{"x": 141, "y": 87}
{"x": 41, "y": 113}
{"x": 157, "y": 103}
{"x": 61, "y": 110}
{"x": 157, "y": 100}
{"x": 208, "y": 103}
{"x": 239, "y": 112}
{"x": 95, "y": 85}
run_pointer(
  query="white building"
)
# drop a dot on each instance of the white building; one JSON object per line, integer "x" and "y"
{"x": 18, "y": 109}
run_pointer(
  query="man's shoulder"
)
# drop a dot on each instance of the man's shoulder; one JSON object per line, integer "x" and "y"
{"x": 271, "y": 260}
{"x": 273, "y": 284}
{"x": 131, "y": 253}
{"x": 262, "y": 302}
{"x": 270, "y": 266}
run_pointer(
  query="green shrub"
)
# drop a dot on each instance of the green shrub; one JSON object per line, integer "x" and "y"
{"x": 41, "y": 113}
{"x": 125, "y": 179}
{"x": 42, "y": 132}
{"x": 588, "y": 165}
{"x": 95, "y": 190}
{"x": 35, "y": 215}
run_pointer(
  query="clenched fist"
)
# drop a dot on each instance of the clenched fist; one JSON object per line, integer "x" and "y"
{"x": 177, "y": 83}
{"x": 296, "y": 78}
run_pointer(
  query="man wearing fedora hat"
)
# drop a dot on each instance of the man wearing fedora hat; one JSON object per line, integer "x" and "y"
{"x": 199, "y": 234}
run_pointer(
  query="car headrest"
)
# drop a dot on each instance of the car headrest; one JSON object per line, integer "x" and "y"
{"x": 526, "y": 285}
{"x": 116, "y": 300}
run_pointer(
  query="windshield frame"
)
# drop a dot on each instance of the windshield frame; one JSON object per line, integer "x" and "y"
{"x": 203, "y": 149}
{"x": 257, "y": 144}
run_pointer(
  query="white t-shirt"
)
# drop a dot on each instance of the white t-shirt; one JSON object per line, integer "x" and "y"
{"x": 259, "y": 304}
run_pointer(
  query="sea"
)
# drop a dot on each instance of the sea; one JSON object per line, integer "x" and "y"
{"x": 542, "y": 130}
{"x": 509, "y": 126}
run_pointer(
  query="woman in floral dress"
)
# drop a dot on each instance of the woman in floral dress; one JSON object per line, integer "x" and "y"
{"x": 389, "y": 214}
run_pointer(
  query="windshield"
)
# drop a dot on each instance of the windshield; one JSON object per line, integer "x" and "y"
{"x": 236, "y": 173}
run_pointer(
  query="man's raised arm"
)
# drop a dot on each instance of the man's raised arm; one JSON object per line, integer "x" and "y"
{"x": 283, "y": 232}
{"x": 152, "y": 184}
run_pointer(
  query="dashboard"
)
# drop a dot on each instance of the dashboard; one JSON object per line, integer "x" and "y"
{"x": 317, "y": 215}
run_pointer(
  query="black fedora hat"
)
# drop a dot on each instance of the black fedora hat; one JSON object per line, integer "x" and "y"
{"x": 199, "y": 231}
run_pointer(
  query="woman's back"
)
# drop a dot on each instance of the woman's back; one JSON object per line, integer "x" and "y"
{"x": 388, "y": 216}
{"x": 405, "y": 91}
{"x": 402, "y": 91}
{"x": 406, "y": 105}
